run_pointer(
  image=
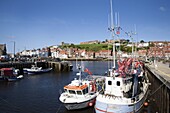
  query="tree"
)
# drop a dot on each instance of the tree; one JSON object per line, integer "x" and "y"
{"x": 127, "y": 40}
{"x": 142, "y": 41}
{"x": 72, "y": 45}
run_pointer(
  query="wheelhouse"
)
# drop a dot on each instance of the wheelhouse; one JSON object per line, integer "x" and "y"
{"x": 77, "y": 90}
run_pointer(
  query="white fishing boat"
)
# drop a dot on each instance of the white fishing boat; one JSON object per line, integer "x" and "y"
{"x": 125, "y": 91}
{"x": 126, "y": 88}
{"x": 80, "y": 93}
{"x": 35, "y": 70}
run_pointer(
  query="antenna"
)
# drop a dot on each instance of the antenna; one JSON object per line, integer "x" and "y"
{"x": 118, "y": 20}
{"x": 111, "y": 14}
{"x": 135, "y": 29}
{"x": 136, "y": 41}
{"x": 112, "y": 32}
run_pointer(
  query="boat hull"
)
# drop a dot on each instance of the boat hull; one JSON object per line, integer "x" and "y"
{"x": 12, "y": 79}
{"x": 39, "y": 71}
{"x": 75, "y": 106}
{"x": 104, "y": 107}
{"x": 25, "y": 70}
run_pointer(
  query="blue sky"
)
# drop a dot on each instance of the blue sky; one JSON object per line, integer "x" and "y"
{"x": 41, "y": 23}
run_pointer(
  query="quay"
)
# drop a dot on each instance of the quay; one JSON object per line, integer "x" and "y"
{"x": 159, "y": 76}
{"x": 57, "y": 66}
{"x": 87, "y": 59}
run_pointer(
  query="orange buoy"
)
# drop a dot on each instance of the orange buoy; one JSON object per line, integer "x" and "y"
{"x": 90, "y": 104}
{"x": 146, "y": 104}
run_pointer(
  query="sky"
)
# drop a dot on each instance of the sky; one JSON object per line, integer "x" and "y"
{"x": 34, "y": 24}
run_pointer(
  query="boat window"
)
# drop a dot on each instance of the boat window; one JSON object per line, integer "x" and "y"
{"x": 109, "y": 82}
{"x": 79, "y": 93}
{"x": 65, "y": 90}
{"x": 118, "y": 83}
{"x": 72, "y": 92}
{"x": 85, "y": 90}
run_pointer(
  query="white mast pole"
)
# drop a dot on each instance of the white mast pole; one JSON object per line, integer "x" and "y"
{"x": 112, "y": 32}
{"x": 118, "y": 19}
{"x": 136, "y": 42}
{"x": 132, "y": 48}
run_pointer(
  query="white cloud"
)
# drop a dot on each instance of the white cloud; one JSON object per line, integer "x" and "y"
{"x": 162, "y": 8}
{"x": 10, "y": 36}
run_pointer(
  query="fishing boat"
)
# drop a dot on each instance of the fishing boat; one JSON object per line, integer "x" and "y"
{"x": 36, "y": 70}
{"x": 126, "y": 86}
{"x": 10, "y": 74}
{"x": 80, "y": 93}
{"x": 125, "y": 90}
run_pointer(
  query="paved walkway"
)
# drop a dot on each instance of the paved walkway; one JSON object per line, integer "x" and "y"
{"x": 163, "y": 70}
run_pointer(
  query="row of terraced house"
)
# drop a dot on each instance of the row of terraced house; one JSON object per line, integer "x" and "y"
{"x": 56, "y": 52}
{"x": 156, "y": 49}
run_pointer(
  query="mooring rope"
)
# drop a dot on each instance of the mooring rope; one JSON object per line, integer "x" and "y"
{"x": 159, "y": 87}
{"x": 58, "y": 109}
{"x": 11, "y": 105}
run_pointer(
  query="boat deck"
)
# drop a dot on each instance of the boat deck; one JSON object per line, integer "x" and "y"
{"x": 99, "y": 77}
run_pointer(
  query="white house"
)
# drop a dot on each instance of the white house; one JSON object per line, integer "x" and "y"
{"x": 146, "y": 44}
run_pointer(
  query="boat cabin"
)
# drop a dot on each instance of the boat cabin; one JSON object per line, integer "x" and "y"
{"x": 35, "y": 67}
{"x": 79, "y": 88}
{"x": 7, "y": 71}
{"x": 117, "y": 86}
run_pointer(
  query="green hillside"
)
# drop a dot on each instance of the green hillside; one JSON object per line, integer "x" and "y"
{"x": 98, "y": 47}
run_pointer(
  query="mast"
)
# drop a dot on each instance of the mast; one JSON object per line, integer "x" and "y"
{"x": 132, "y": 48}
{"x": 136, "y": 41}
{"x": 108, "y": 42}
{"x": 112, "y": 33}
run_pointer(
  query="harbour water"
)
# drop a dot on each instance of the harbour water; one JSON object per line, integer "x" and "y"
{"x": 40, "y": 93}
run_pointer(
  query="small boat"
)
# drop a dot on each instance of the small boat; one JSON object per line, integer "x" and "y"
{"x": 80, "y": 93}
{"x": 35, "y": 70}
{"x": 10, "y": 74}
